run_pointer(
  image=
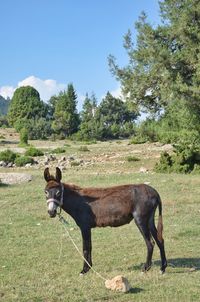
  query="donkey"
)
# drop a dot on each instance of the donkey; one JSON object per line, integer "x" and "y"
{"x": 113, "y": 206}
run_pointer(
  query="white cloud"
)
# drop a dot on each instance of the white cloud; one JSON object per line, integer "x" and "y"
{"x": 46, "y": 88}
{"x": 7, "y": 91}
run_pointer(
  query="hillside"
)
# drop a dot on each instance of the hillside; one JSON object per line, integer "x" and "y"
{"x": 4, "y": 104}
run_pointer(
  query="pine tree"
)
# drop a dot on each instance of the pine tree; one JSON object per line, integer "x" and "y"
{"x": 25, "y": 106}
{"x": 66, "y": 118}
{"x": 114, "y": 115}
{"x": 88, "y": 121}
{"x": 164, "y": 66}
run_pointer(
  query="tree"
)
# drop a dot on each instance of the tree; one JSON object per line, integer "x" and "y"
{"x": 66, "y": 118}
{"x": 114, "y": 115}
{"x": 4, "y": 104}
{"x": 88, "y": 129}
{"x": 25, "y": 105}
{"x": 164, "y": 66}
{"x": 89, "y": 108}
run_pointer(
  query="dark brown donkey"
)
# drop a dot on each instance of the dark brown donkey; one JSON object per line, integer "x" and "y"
{"x": 101, "y": 207}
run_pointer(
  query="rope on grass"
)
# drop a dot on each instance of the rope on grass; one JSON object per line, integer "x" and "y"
{"x": 64, "y": 223}
{"x": 118, "y": 283}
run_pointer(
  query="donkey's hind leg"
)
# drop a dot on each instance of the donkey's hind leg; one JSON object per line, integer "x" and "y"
{"x": 142, "y": 225}
{"x": 159, "y": 243}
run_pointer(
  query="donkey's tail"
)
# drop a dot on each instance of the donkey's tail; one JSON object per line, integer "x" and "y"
{"x": 160, "y": 221}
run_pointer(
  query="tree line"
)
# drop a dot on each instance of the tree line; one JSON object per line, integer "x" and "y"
{"x": 59, "y": 118}
{"x": 161, "y": 79}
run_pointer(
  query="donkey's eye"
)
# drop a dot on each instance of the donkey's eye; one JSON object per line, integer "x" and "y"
{"x": 47, "y": 193}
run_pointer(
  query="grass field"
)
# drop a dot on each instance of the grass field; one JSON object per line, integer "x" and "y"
{"x": 39, "y": 263}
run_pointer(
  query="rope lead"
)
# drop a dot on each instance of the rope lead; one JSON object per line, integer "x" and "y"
{"x": 65, "y": 223}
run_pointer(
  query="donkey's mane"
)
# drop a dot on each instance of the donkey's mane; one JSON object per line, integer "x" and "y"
{"x": 72, "y": 187}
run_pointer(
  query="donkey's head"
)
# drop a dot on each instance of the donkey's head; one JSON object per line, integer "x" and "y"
{"x": 54, "y": 191}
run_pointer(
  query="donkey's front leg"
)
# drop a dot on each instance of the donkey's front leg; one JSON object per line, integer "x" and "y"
{"x": 87, "y": 249}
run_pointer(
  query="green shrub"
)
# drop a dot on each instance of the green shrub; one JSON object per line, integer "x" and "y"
{"x": 23, "y": 137}
{"x": 185, "y": 159}
{"x": 58, "y": 150}
{"x": 23, "y": 160}
{"x": 164, "y": 164}
{"x": 131, "y": 158}
{"x": 8, "y": 156}
{"x": 145, "y": 132}
{"x": 138, "y": 140}
{"x": 39, "y": 129}
{"x": 32, "y": 151}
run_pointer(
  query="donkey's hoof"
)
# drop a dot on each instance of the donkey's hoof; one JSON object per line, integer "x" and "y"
{"x": 163, "y": 267}
{"x": 84, "y": 271}
{"x": 146, "y": 268}
{"x": 162, "y": 271}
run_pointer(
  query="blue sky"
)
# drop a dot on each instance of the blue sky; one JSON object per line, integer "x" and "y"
{"x": 50, "y": 43}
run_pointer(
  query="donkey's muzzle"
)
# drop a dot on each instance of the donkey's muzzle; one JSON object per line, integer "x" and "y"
{"x": 52, "y": 213}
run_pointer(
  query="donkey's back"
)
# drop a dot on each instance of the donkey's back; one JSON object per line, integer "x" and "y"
{"x": 118, "y": 205}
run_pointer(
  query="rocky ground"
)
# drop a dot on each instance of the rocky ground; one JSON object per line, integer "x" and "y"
{"x": 101, "y": 158}
{"x": 14, "y": 178}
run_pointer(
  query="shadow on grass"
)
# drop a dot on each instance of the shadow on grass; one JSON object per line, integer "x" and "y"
{"x": 135, "y": 290}
{"x": 174, "y": 263}
{"x": 183, "y": 263}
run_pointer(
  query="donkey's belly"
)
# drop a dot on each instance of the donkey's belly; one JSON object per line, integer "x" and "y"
{"x": 113, "y": 218}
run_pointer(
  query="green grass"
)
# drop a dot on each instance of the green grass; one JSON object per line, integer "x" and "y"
{"x": 39, "y": 263}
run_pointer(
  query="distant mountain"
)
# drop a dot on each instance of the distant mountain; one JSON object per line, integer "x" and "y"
{"x": 4, "y": 104}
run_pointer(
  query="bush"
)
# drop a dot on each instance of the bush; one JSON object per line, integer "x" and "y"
{"x": 146, "y": 131}
{"x": 32, "y": 151}
{"x": 186, "y": 158}
{"x": 3, "y": 122}
{"x": 58, "y": 150}
{"x": 8, "y": 156}
{"x": 138, "y": 140}
{"x": 39, "y": 129}
{"x": 23, "y": 137}
{"x": 23, "y": 160}
{"x": 165, "y": 163}
{"x": 131, "y": 158}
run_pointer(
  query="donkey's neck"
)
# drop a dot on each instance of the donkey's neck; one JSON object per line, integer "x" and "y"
{"x": 72, "y": 199}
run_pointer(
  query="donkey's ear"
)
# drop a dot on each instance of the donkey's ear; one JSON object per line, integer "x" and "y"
{"x": 58, "y": 174}
{"x": 46, "y": 174}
